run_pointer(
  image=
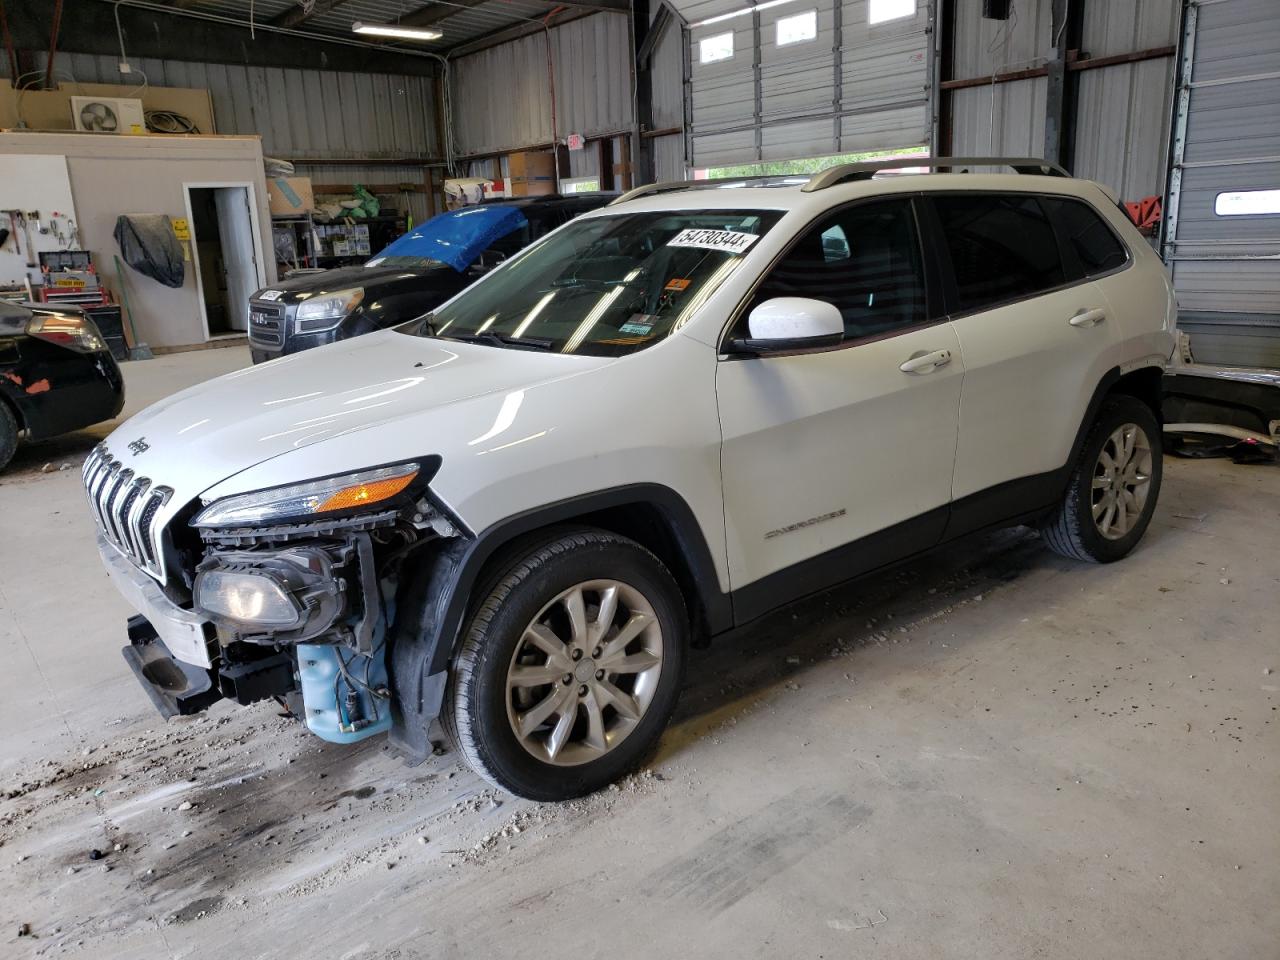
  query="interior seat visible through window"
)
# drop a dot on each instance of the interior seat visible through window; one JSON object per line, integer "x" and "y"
{"x": 865, "y": 260}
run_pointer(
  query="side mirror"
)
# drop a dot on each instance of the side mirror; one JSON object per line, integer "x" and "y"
{"x": 792, "y": 323}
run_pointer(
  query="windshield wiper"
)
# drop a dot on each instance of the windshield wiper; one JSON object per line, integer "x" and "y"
{"x": 504, "y": 340}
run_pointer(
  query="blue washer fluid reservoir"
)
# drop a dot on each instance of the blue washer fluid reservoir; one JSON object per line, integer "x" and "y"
{"x": 328, "y": 716}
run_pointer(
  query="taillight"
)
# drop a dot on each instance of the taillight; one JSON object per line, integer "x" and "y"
{"x": 67, "y": 330}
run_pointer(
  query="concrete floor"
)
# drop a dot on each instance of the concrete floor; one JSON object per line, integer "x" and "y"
{"x": 989, "y": 753}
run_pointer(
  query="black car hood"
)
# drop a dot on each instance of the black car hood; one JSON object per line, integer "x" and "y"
{"x": 13, "y": 318}
{"x": 344, "y": 278}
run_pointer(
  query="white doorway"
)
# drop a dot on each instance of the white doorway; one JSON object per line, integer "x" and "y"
{"x": 226, "y": 254}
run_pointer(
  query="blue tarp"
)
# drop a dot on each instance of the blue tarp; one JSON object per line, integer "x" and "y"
{"x": 456, "y": 237}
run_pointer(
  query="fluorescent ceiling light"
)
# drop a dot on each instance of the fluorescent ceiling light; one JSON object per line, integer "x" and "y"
{"x": 741, "y": 13}
{"x": 392, "y": 30}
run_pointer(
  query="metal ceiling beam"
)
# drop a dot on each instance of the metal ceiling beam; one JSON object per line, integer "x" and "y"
{"x": 300, "y": 14}
{"x": 166, "y": 32}
{"x": 605, "y": 6}
{"x": 436, "y": 12}
{"x": 507, "y": 34}
{"x": 442, "y": 10}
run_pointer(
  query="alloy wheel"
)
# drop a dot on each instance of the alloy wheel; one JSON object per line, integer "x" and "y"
{"x": 584, "y": 672}
{"x": 1121, "y": 481}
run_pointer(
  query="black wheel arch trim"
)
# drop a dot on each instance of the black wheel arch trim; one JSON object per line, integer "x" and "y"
{"x": 438, "y": 589}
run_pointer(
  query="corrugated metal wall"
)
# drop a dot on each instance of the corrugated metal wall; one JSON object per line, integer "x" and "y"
{"x": 855, "y": 87}
{"x": 1122, "y": 111}
{"x": 502, "y": 95}
{"x": 302, "y": 114}
{"x": 298, "y": 113}
{"x": 1122, "y": 116}
{"x": 1001, "y": 119}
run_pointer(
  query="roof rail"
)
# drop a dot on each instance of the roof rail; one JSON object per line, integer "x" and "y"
{"x": 845, "y": 172}
{"x": 669, "y": 185}
{"x": 868, "y": 169}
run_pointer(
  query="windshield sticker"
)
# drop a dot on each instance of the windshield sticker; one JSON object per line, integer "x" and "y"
{"x": 271, "y": 295}
{"x": 678, "y": 284}
{"x": 729, "y": 241}
{"x": 639, "y": 324}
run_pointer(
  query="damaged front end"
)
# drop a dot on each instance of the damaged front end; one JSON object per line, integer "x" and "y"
{"x": 295, "y": 592}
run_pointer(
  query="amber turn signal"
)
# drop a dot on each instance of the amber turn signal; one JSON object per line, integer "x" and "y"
{"x": 360, "y": 494}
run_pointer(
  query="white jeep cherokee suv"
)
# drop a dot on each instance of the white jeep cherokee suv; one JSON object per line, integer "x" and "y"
{"x": 661, "y": 421}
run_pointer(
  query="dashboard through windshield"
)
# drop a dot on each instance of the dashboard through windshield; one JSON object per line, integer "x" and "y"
{"x": 603, "y": 286}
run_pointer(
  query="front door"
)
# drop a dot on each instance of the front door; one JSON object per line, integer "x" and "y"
{"x": 837, "y": 461}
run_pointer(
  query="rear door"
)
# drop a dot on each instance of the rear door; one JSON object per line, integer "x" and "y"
{"x": 1036, "y": 337}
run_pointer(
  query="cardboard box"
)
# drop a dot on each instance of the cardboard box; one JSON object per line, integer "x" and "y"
{"x": 531, "y": 165}
{"x": 290, "y": 195}
{"x": 530, "y": 188}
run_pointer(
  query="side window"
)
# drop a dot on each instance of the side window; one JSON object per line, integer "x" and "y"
{"x": 1002, "y": 247}
{"x": 503, "y": 248}
{"x": 865, "y": 260}
{"x": 1095, "y": 244}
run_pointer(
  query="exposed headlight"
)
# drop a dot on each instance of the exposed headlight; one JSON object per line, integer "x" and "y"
{"x": 245, "y": 598}
{"x": 303, "y": 501}
{"x": 326, "y": 312}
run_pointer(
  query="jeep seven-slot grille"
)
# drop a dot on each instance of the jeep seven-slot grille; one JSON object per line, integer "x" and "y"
{"x": 266, "y": 325}
{"x": 125, "y": 507}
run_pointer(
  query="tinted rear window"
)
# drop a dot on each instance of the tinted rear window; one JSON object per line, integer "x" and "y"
{"x": 1087, "y": 234}
{"x": 1002, "y": 247}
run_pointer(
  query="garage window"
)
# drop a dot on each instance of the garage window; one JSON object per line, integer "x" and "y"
{"x": 1244, "y": 203}
{"x": 797, "y": 29}
{"x": 715, "y": 49}
{"x": 879, "y": 11}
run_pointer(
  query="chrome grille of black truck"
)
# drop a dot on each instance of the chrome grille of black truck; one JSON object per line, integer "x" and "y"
{"x": 266, "y": 325}
{"x": 125, "y": 507}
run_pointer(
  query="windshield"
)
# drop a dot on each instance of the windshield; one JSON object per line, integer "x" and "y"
{"x": 603, "y": 286}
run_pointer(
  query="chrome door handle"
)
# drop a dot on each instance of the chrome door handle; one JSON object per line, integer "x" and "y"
{"x": 1088, "y": 318}
{"x": 926, "y": 362}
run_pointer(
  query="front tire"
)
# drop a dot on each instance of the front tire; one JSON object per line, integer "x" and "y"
{"x": 1114, "y": 487}
{"x": 8, "y": 435}
{"x": 570, "y": 667}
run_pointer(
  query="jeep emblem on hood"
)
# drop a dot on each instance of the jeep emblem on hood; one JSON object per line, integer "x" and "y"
{"x": 139, "y": 446}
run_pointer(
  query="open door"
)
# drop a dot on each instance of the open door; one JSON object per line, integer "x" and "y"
{"x": 227, "y": 258}
{"x": 235, "y": 226}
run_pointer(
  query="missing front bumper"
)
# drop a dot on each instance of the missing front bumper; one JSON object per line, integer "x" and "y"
{"x": 175, "y": 687}
{"x": 179, "y": 689}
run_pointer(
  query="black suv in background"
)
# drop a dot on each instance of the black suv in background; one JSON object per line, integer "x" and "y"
{"x": 419, "y": 271}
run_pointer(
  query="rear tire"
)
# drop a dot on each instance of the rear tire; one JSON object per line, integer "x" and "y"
{"x": 1113, "y": 488}
{"x": 8, "y": 435}
{"x": 570, "y": 667}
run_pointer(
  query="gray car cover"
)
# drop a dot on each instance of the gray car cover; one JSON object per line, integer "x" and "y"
{"x": 148, "y": 244}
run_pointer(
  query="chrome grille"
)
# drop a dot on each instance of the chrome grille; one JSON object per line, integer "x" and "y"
{"x": 125, "y": 507}
{"x": 266, "y": 325}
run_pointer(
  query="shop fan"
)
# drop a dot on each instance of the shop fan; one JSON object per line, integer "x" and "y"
{"x": 98, "y": 117}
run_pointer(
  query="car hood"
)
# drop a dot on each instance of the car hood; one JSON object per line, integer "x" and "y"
{"x": 210, "y": 432}
{"x": 344, "y": 278}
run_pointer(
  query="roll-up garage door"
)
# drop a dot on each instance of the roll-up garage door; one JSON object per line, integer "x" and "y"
{"x": 1222, "y": 230}
{"x": 805, "y": 78}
